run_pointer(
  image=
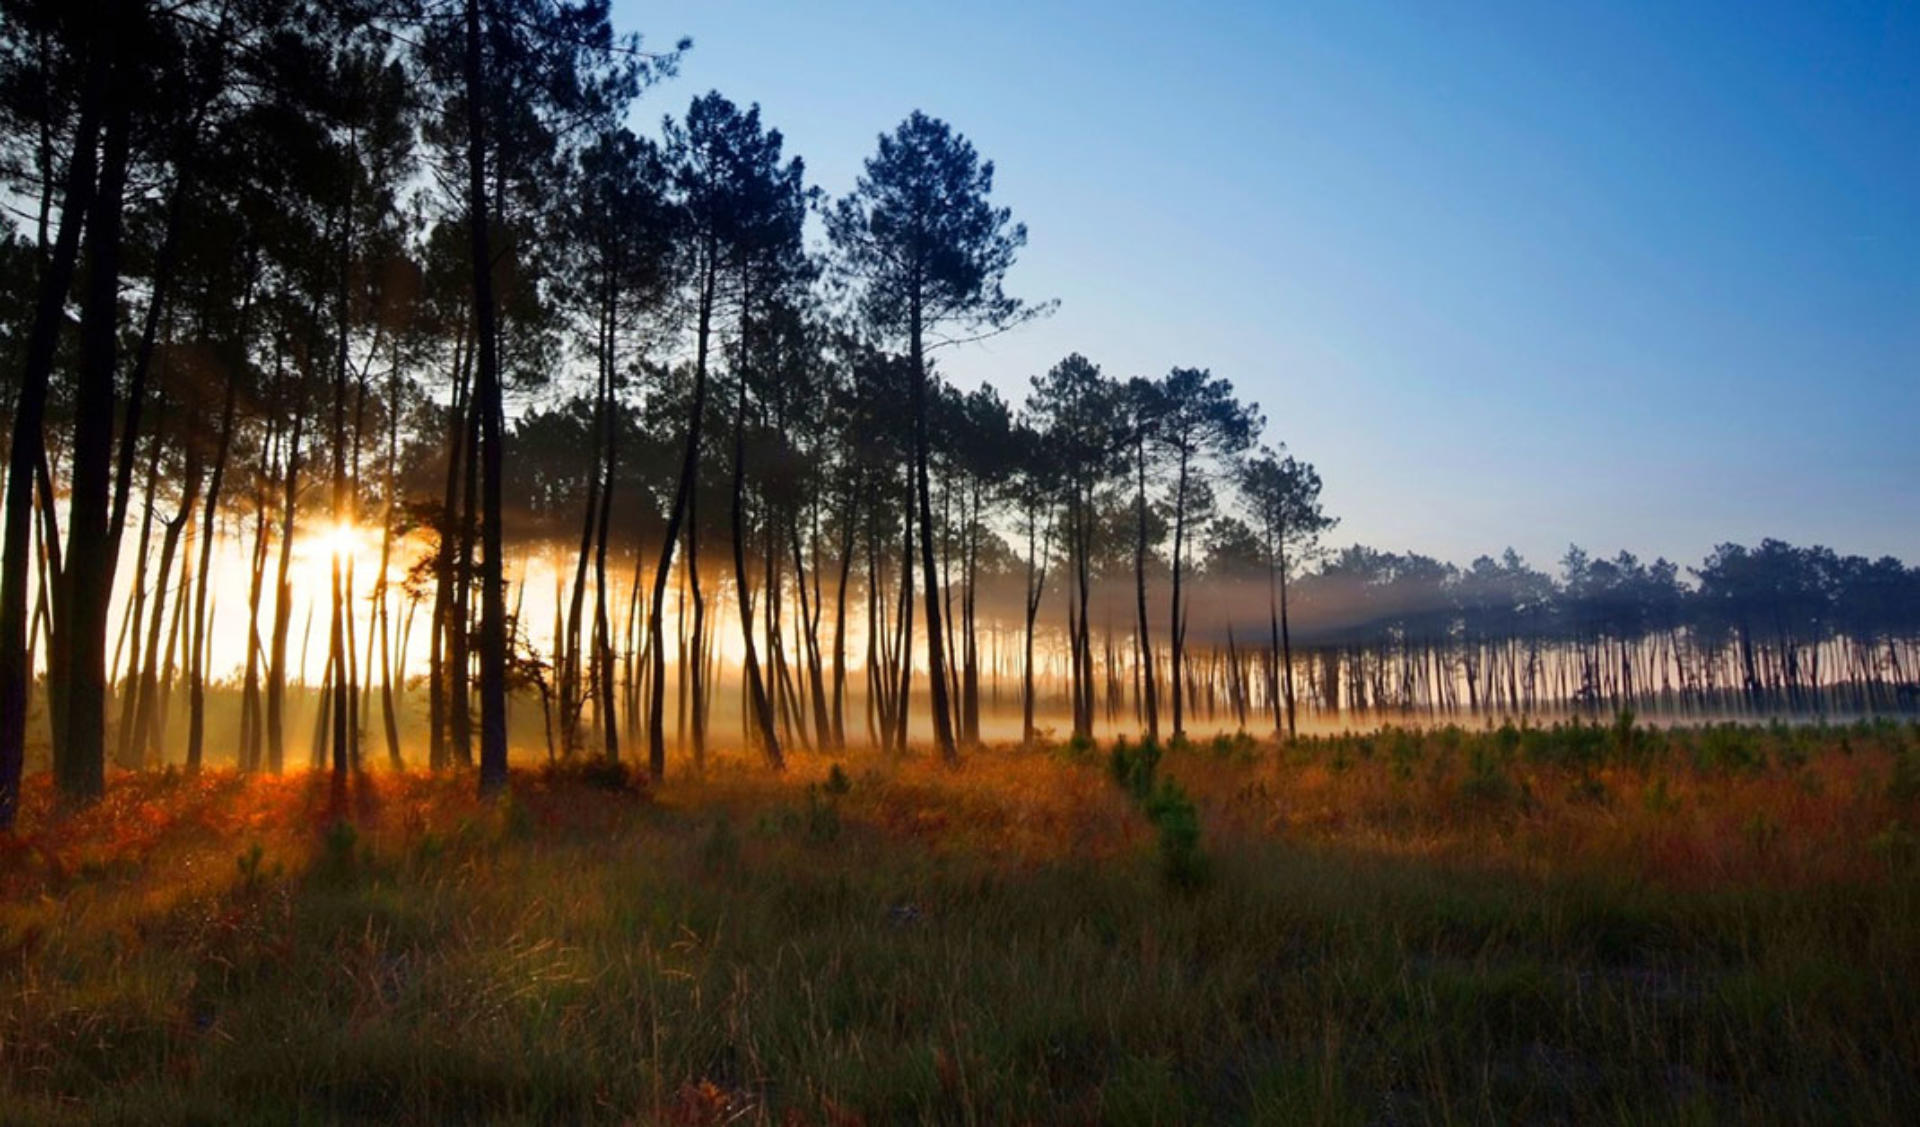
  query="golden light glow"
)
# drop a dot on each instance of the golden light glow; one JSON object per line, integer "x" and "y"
{"x": 343, "y": 541}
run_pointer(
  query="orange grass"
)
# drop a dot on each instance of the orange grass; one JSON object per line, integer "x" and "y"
{"x": 1571, "y": 924}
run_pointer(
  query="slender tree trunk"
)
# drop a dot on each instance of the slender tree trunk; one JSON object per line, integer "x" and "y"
{"x": 1178, "y": 656}
{"x": 440, "y": 648}
{"x": 572, "y": 701}
{"x": 1036, "y": 587}
{"x": 840, "y": 624}
{"x": 493, "y": 611}
{"x": 143, "y": 743}
{"x": 1149, "y": 677}
{"x": 970, "y": 659}
{"x": 252, "y": 734}
{"x": 283, "y": 605}
{"x": 53, "y": 598}
{"x": 697, "y": 684}
{"x": 196, "y": 670}
{"x": 809, "y": 645}
{"x": 760, "y": 709}
{"x": 903, "y": 649}
{"x": 389, "y": 721}
{"x": 682, "y": 504}
{"x": 460, "y": 626}
{"x": 130, "y": 613}
{"x": 1286, "y": 641}
{"x": 158, "y": 295}
{"x": 936, "y": 654}
{"x": 130, "y": 680}
{"x": 609, "y": 725}
{"x": 163, "y": 707}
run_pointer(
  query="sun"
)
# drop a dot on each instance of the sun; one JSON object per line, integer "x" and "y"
{"x": 340, "y": 540}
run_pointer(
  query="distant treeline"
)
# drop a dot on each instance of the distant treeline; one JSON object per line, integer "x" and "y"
{"x": 280, "y": 269}
{"x": 1776, "y": 628}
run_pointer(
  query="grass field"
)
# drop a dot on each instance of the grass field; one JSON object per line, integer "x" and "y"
{"x": 1565, "y": 924}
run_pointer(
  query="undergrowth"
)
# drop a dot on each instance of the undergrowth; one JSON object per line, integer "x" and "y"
{"x": 1516, "y": 924}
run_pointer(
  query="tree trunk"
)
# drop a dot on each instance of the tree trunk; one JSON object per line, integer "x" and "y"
{"x": 1178, "y": 656}
{"x": 382, "y": 594}
{"x": 80, "y": 764}
{"x": 1286, "y": 641}
{"x": 840, "y": 624}
{"x": 26, "y": 448}
{"x": 1149, "y": 677}
{"x": 603, "y": 635}
{"x": 760, "y": 709}
{"x": 196, "y": 671}
{"x": 283, "y": 604}
{"x": 130, "y": 680}
{"x": 936, "y": 655}
{"x": 493, "y": 611}
{"x": 682, "y": 504}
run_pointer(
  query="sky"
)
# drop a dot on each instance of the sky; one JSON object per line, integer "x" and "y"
{"x": 1632, "y": 275}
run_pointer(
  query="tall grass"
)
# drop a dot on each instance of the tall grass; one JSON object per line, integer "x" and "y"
{"x": 1516, "y": 924}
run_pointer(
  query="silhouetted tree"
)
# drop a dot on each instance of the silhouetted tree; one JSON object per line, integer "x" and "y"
{"x": 930, "y": 253}
{"x": 1284, "y": 495}
{"x": 1199, "y": 423}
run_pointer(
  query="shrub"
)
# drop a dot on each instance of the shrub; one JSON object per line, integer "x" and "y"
{"x": 341, "y": 860}
{"x": 1507, "y": 738}
{"x": 1486, "y": 780}
{"x": 1403, "y": 749}
{"x": 1173, "y": 814}
{"x": 1627, "y": 740}
{"x": 595, "y": 771}
{"x": 1133, "y": 768}
{"x": 1728, "y": 747}
{"x": 1079, "y": 748}
{"x": 252, "y": 872}
{"x": 1238, "y": 746}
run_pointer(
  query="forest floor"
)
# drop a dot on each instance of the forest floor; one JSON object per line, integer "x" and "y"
{"x": 1565, "y": 924}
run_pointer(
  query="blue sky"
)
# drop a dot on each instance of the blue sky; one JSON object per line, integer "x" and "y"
{"x": 1631, "y": 275}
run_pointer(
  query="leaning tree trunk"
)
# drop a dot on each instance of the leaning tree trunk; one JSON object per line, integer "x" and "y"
{"x": 27, "y": 448}
{"x": 130, "y": 679}
{"x": 196, "y": 671}
{"x": 572, "y": 701}
{"x": 138, "y": 743}
{"x": 682, "y": 503}
{"x": 382, "y": 592}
